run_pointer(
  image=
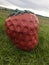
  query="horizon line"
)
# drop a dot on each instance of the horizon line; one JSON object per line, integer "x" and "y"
{"x": 39, "y": 12}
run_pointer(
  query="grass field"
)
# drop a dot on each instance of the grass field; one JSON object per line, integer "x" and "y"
{"x": 10, "y": 55}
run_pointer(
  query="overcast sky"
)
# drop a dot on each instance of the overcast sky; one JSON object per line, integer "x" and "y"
{"x": 37, "y": 6}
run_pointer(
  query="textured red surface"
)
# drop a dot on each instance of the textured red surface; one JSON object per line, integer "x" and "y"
{"x": 23, "y": 30}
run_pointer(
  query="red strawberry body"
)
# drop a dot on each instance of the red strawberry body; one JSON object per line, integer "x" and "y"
{"x": 23, "y": 30}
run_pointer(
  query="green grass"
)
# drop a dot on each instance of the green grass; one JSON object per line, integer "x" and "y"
{"x": 10, "y": 55}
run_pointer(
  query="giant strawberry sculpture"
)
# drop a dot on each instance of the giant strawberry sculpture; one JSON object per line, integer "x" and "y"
{"x": 22, "y": 28}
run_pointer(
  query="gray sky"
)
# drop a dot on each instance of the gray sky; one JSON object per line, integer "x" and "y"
{"x": 38, "y": 6}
